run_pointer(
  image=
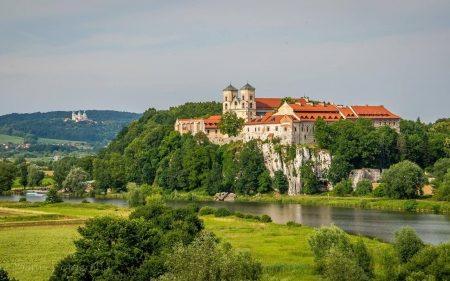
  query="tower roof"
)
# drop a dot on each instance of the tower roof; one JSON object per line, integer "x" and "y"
{"x": 230, "y": 88}
{"x": 248, "y": 87}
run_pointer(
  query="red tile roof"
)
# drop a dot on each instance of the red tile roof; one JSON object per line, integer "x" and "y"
{"x": 347, "y": 112}
{"x": 212, "y": 121}
{"x": 373, "y": 112}
{"x": 327, "y": 117}
{"x": 268, "y": 120}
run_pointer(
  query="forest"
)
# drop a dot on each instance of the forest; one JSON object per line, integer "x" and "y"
{"x": 52, "y": 125}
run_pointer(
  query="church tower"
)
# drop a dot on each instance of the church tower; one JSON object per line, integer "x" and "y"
{"x": 230, "y": 98}
{"x": 248, "y": 97}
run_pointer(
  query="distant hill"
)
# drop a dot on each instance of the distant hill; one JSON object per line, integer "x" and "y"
{"x": 53, "y": 125}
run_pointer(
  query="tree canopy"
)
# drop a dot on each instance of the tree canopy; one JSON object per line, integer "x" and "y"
{"x": 230, "y": 124}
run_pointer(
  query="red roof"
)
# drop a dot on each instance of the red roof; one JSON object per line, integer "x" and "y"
{"x": 327, "y": 117}
{"x": 373, "y": 112}
{"x": 347, "y": 112}
{"x": 269, "y": 120}
{"x": 212, "y": 121}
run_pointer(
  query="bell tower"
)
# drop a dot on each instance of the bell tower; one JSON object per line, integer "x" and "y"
{"x": 230, "y": 95}
{"x": 248, "y": 96}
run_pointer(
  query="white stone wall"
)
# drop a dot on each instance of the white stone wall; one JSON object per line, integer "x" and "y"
{"x": 274, "y": 162}
{"x": 357, "y": 175}
{"x": 393, "y": 123}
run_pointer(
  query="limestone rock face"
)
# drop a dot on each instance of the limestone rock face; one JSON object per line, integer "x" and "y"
{"x": 225, "y": 196}
{"x": 291, "y": 167}
{"x": 357, "y": 175}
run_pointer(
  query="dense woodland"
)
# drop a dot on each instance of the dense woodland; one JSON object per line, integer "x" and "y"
{"x": 52, "y": 125}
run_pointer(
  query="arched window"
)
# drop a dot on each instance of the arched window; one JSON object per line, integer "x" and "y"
{"x": 226, "y": 106}
{"x": 251, "y": 105}
{"x": 251, "y": 97}
{"x": 242, "y": 105}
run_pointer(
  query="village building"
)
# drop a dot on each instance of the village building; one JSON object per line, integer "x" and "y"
{"x": 291, "y": 123}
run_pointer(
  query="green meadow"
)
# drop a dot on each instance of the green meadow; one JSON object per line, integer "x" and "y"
{"x": 34, "y": 236}
{"x": 18, "y": 140}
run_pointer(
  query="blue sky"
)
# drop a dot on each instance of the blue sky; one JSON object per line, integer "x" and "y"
{"x": 132, "y": 55}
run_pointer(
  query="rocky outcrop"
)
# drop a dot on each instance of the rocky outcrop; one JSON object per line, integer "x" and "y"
{"x": 290, "y": 165}
{"x": 225, "y": 196}
{"x": 356, "y": 175}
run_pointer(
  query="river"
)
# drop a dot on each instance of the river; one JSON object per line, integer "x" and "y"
{"x": 432, "y": 228}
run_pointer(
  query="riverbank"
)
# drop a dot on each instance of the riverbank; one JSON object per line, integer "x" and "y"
{"x": 31, "y": 250}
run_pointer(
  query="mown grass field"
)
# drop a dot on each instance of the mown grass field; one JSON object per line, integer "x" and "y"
{"x": 31, "y": 249}
{"x": 18, "y": 140}
{"x": 11, "y": 139}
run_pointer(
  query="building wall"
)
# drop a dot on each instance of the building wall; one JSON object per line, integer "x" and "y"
{"x": 393, "y": 123}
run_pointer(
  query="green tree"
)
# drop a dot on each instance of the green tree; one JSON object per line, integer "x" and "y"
{"x": 323, "y": 239}
{"x": 4, "y": 275}
{"x": 23, "y": 168}
{"x": 134, "y": 196}
{"x": 404, "y": 180}
{"x": 447, "y": 146}
{"x": 214, "y": 179}
{"x": 337, "y": 266}
{"x": 75, "y": 181}
{"x": 389, "y": 264}
{"x": 280, "y": 182}
{"x": 363, "y": 187}
{"x": 443, "y": 190}
{"x": 35, "y": 175}
{"x": 230, "y": 124}
{"x": 211, "y": 261}
{"x": 53, "y": 196}
{"x": 440, "y": 169}
{"x": 406, "y": 243}
{"x": 249, "y": 164}
{"x": 87, "y": 164}
{"x": 264, "y": 182}
{"x": 339, "y": 170}
{"x": 343, "y": 187}
{"x": 61, "y": 168}
{"x": 308, "y": 178}
{"x": 7, "y": 175}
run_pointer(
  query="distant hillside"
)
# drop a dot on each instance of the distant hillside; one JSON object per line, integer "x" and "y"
{"x": 52, "y": 125}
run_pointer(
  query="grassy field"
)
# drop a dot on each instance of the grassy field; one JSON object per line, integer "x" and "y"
{"x": 11, "y": 139}
{"x": 31, "y": 248}
{"x": 47, "y": 181}
{"x": 50, "y": 141}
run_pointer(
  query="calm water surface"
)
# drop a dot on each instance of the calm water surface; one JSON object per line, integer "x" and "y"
{"x": 433, "y": 228}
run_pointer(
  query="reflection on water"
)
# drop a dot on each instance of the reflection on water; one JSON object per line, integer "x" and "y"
{"x": 433, "y": 228}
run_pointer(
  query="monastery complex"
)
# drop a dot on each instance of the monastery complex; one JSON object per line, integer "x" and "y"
{"x": 291, "y": 123}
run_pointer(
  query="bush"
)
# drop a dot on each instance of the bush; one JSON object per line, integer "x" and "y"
{"x": 293, "y": 224}
{"x": 238, "y": 214}
{"x": 266, "y": 218}
{"x": 406, "y": 243}
{"x": 343, "y": 187}
{"x": 363, "y": 187}
{"x": 207, "y": 210}
{"x": 380, "y": 191}
{"x": 85, "y": 201}
{"x": 248, "y": 216}
{"x": 410, "y": 205}
{"x": 193, "y": 207}
{"x": 22, "y": 199}
{"x": 257, "y": 218}
{"x": 53, "y": 196}
{"x": 222, "y": 212}
{"x": 404, "y": 180}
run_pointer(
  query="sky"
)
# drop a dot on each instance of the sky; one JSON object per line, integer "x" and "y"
{"x": 133, "y": 55}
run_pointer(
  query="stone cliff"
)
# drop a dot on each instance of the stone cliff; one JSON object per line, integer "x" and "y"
{"x": 279, "y": 158}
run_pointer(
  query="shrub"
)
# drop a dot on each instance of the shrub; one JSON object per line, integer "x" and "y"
{"x": 53, "y": 196}
{"x": 257, "y": 218}
{"x": 410, "y": 205}
{"x": 380, "y": 191}
{"x": 404, "y": 180}
{"x": 293, "y": 224}
{"x": 363, "y": 187}
{"x": 222, "y": 212}
{"x": 85, "y": 201}
{"x": 248, "y": 216}
{"x": 193, "y": 207}
{"x": 406, "y": 243}
{"x": 238, "y": 214}
{"x": 22, "y": 199}
{"x": 207, "y": 210}
{"x": 266, "y": 218}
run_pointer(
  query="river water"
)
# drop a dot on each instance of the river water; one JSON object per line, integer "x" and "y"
{"x": 432, "y": 228}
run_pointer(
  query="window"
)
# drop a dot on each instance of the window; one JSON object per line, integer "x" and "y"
{"x": 295, "y": 129}
{"x": 302, "y": 128}
{"x": 242, "y": 105}
{"x": 235, "y": 103}
{"x": 226, "y": 98}
{"x": 285, "y": 129}
{"x": 268, "y": 128}
{"x": 259, "y": 129}
{"x": 226, "y": 106}
{"x": 255, "y": 129}
{"x": 251, "y": 97}
{"x": 216, "y": 131}
{"x": 207, "y": 131}
{"x": 251, "y": 114}
{"x": 276, "y": 128}
{"x": 248, "y": 129}
{"x": 305, "y": 137}
{"x": 251, "y": 105}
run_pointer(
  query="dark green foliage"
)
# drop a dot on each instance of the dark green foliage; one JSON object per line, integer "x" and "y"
{"x": 339, "y": 170}
{"x": 293, "y": 224}
{"x": 222, "y": 212}
{"x": 22, "y": 199}
{"x": 440, "y": 169}
{"x": 363, "y": 257}
{"x": 343, "y": 187}
{"x": 193, "y": 207}
{"x": 35, "y": 175}
{"x": 406, "y": 243}
{"x": 7, "y": 175}
{"x": 404, "y": 180}
{"x": 61, "y": 169}
{"x": 325, "y": 238}
{"x": 264, "y": 182}
{"x": 431, "y": 261}
{"x": 266, "y": 218}
{"x": 206, "y": 211}
{"x": 248, "y": 166}
{"x": 339, "y": 266}
{"x": 248, "y": 216}
{"x": 363, "y": 187}
{"x": 410, "y": 205}
{"x": 53, "y": 196}
{"x": 52, "y": 125}
{"x": 76, "y": 181}
{"x": 23, "y": 169}
{"x": 87, "y": 164}
{"x": 257, "y": 218}
{"x": 230, "y": 124}
{"x": 211, "y": 262}
{"x": 442, "y": 190}
{"x": 308, "y": 178}
{"x": 280, "y": 182}
{"x": 238, "y": 214}
{"x": 116, "y": 248}
{"x": 4, "y": 275}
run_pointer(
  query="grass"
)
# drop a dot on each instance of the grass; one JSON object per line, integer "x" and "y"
{"x": 51, "y": 141}
{"x": 11, "y": 139}
{"x": 29, "y": 252}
